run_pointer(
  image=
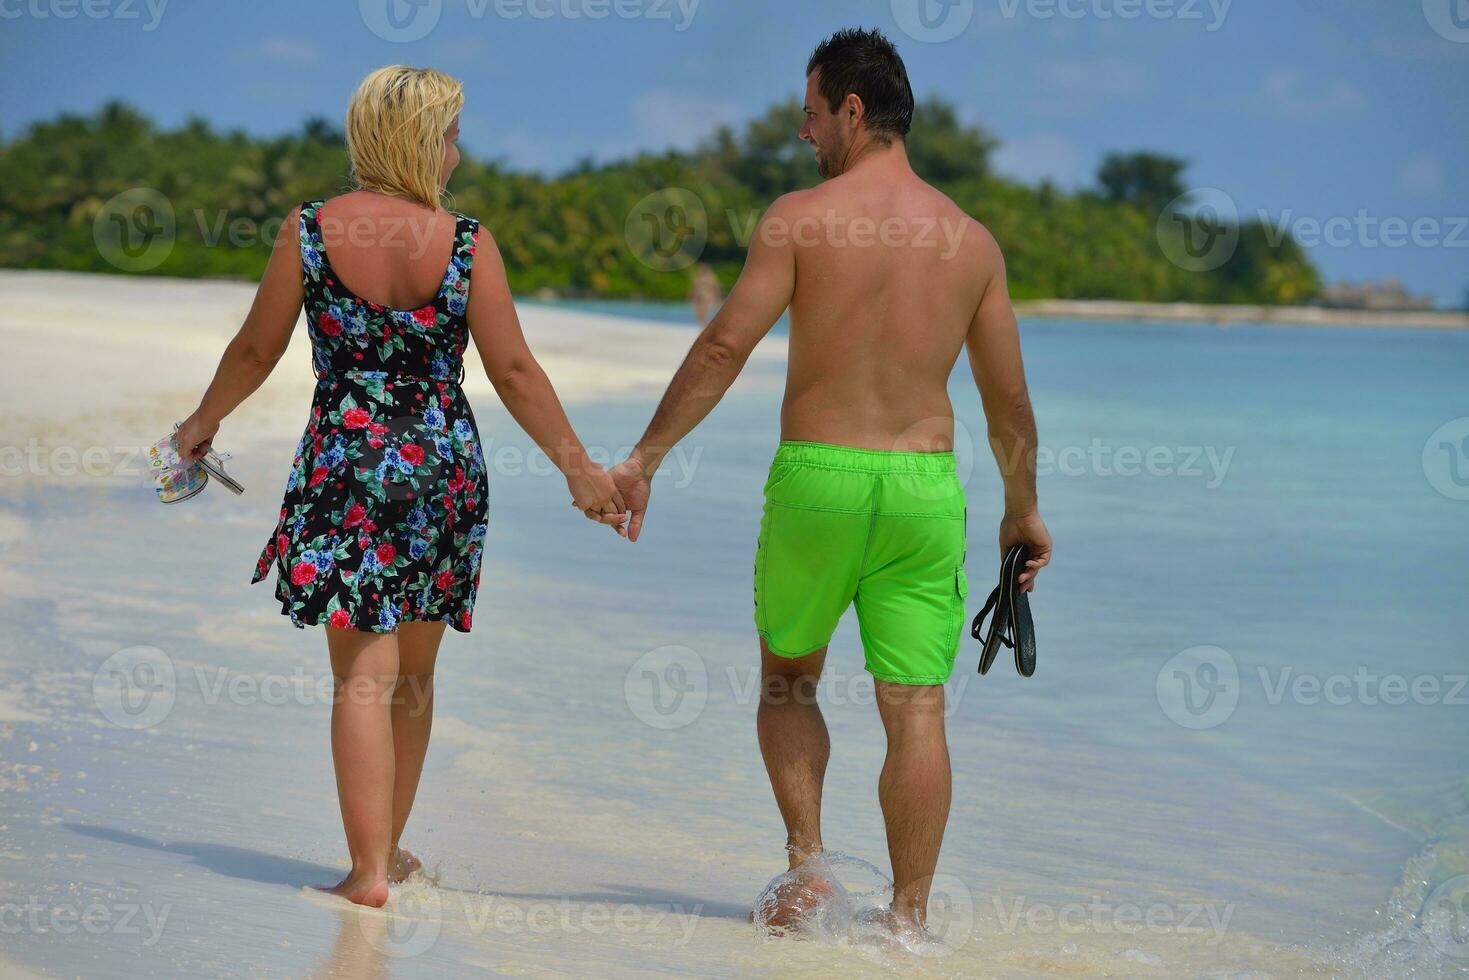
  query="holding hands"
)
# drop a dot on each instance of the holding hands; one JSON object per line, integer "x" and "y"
{"x": 595, "y": 494}
{"x": 610, "y": 497}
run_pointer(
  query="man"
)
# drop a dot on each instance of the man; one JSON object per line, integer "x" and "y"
{"x": 886, "y": 280}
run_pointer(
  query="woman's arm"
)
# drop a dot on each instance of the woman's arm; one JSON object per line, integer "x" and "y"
{"x": 260, "y": 344}
{"x": 527, "y": 392}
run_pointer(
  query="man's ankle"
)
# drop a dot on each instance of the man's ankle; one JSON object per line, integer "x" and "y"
{"x": 800, "y": 853}
{"x": 908, "y": 916}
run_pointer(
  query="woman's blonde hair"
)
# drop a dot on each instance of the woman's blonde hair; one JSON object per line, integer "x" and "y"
{"x": 395, "y": 131}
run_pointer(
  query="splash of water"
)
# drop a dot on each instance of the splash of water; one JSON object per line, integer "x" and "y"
{"x": 838, "y": 900}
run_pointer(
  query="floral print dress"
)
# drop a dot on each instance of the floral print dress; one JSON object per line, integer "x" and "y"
{"x": 384, "y": 515}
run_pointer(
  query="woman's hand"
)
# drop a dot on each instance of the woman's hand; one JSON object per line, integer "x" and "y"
{"x": 195, "y": 437}
{"x": 595, "y": 495}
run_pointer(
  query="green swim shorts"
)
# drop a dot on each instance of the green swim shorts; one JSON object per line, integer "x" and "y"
{"x": 883, "y": 531}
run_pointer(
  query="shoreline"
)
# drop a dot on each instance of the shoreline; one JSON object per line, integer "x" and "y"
{"x": 1034, "y": 309}
{"x": 1284, "y": 316}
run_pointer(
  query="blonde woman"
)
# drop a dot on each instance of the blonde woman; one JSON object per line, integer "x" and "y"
{"x": 382, "y": 528}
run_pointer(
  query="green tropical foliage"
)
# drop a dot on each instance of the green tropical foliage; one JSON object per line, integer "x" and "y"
{"x": 567, "y": 233}
{"x": 1149, "y": 180}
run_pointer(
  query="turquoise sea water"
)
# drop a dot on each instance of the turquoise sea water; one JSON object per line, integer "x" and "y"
{"x": 1250, "y": 711}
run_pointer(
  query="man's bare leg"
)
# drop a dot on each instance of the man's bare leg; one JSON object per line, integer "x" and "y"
{"x": 794, "y": 744}
{"x": 914, "y": 791}
{"x": 365, "y": 667}
{"x": 796, "y": 747}
{"x": 413, "y": 717}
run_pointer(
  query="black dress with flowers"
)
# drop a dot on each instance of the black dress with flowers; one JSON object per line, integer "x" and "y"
{"x": 384, "y": 515}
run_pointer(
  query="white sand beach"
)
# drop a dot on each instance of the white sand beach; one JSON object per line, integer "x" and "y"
{"x": 112, "y": 361}
{"x": 594, "y": 803}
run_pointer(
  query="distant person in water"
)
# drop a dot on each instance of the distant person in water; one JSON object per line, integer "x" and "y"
{"x": 706, "y": 294}
{"x": 381, "y": 533}
{"x": 887, "y": 281}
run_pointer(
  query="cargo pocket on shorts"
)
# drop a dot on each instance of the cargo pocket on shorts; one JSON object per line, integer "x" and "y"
{"x": 961, "y": 593}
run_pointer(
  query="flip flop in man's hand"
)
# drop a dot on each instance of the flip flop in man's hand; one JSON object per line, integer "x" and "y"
{"x": 1012, "y": 625}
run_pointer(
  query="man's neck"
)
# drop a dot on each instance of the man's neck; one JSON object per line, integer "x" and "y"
{"x": 870, "y": 153}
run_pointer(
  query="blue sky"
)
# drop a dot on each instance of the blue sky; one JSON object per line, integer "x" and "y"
{"x": 1351, "y": 114}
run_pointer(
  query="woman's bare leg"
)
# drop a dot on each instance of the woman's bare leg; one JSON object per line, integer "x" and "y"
{"x": 413, "y": 717}
{"x": 365, "y": 667}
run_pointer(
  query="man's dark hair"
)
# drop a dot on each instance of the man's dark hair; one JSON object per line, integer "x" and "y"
{"x": 866, "y": 64}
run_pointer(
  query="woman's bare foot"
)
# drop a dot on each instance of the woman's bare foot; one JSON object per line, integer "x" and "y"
{"x": 402, "y": 865}
{"x": 362, "y": 889}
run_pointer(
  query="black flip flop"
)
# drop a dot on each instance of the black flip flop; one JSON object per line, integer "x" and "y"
{"x": 1012, "y": 616}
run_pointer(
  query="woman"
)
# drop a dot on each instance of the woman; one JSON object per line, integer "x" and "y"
{"x": 383, "y": 523}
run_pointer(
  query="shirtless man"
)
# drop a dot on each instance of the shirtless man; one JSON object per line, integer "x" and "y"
{"x": 886, "y": 280}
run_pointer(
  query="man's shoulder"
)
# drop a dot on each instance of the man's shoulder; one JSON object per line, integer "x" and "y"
{"x": 966, "y": 227}
{"x": 981, "y": 238}
{"x": 796, "y": 204}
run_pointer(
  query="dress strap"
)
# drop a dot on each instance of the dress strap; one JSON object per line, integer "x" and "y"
{"x": 466, "y": 249}
{"x": 308, "y": 236}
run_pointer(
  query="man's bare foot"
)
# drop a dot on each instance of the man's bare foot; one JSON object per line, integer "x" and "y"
{"x": 402, "y": 865}
{"x": 906, "y": 929}
{"x": 369, "y": 890}
{"x": 784, "y": 909}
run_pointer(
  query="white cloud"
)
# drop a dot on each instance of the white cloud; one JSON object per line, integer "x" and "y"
{"x": 519, "y": 149}
{"x": 290, "y": 50}
{"x": 1070, "y": 88}
{"x": 1289, "y": 94}
{"x": 665, "y": 118}
{"x": 1423, "y": 175}
{"x": 1041, "y": 156}
{"x": 662, "y": 118}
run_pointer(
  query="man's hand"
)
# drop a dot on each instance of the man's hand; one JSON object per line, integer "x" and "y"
{"x": 1029, "y": 530}
{"x": 636, "y": 486}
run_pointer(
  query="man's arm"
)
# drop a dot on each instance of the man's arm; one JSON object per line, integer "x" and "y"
{"x": 999, "y": 372}
{"x": 762, "y": 294}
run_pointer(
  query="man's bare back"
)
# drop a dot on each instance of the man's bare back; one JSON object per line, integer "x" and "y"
{"x": 889, "y": 276}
